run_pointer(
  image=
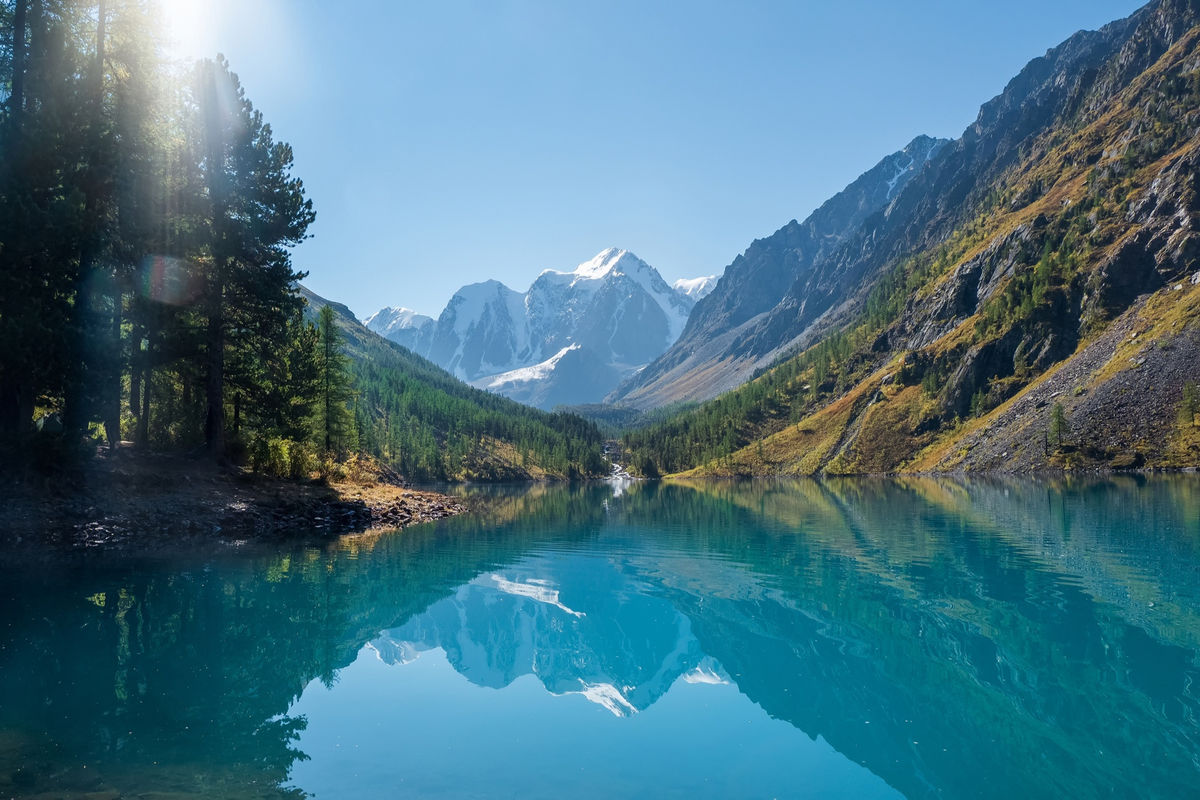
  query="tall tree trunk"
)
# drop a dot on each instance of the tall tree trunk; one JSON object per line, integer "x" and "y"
{"x": 136, "y": 368}
{"x": 76, "y": 411}
{"x": 16, "y": 99}
{"x": 86, "y": 379}
{"x": 145, "y": 361}
{"x": 189, "y": 396}
{"x": 13, "y": 386}
{"x": 112, "y": 394}
{"x": 214, "y": 420}
{"x": 142, "y": 437}
{"x": 9, "y": 406}
{"x": 99, "y": 74}
{"x": 215, "y": 151}
{"x": 111, "y": 390}
{"x": 25, "y": 395}
{"x": 328, "y": 398}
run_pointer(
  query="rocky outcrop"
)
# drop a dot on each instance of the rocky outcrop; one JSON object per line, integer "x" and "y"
{"x": 721, "y": 340}
{"x": 1126, "y": 419}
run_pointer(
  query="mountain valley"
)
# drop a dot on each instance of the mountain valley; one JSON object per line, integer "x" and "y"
{"x": 570, "y": 339}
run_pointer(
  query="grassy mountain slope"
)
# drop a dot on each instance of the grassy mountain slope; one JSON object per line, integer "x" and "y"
{"x": 1059, "y": 272}
{"x": 428, "y": 425}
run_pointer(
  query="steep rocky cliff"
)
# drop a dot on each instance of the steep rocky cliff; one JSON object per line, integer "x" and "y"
{"x": 721, "y": 344}
{"x": 1029, "y": 300}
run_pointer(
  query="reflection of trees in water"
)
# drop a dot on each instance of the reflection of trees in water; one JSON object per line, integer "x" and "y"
{"x": 935, "y": 631}
{"x": 939, "y": 642}
{"x": 126, "y": 663}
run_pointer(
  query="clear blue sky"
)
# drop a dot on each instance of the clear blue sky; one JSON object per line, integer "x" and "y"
{"x": 448, "y": 142}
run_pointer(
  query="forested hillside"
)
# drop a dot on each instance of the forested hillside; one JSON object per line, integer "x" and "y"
{"x": 1030, "y": 300}
{"x": 147, "y": 290}
{"x": 147, "y": 216}
{"x": 427, "y": 424}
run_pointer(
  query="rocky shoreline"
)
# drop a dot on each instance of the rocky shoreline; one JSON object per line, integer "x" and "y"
{"x": 149, "y": 503}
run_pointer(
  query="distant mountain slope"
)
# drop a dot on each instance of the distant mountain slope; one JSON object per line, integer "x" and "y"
{"x": 1030, "y": 300}
{"x": 431, "y": 426}
{"x": 401, "y": 325}
{"x": 572, "y": 376}
{"x": 721, "y": 346}
{"x": 615, "y": 312}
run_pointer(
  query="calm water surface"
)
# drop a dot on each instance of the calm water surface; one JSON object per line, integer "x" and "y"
{"x": 849, "y": 638}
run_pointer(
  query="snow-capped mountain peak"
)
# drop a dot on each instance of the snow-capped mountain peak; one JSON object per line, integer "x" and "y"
{"x": 611, "y": 260}
{"x": 607, "y": 262}
{"x": 695, "y": 288}
{"x": 570, "y": 338}
{"x": 403, "y": 326}
{"x": 601, "y": 265}
{"x": 395, "y": 318}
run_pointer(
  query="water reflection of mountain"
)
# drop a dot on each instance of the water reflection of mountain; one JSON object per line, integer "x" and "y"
{"x": 614, "y": 643}
{"x": 980, "y": 639}
{"x": 132, "y": 666}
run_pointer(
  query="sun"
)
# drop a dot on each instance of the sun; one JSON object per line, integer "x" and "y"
{"x": 188, "y": 26}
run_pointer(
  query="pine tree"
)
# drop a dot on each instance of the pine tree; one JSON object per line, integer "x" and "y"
{"x": 1059, "y": 427}
{"x": 335, "y": 422}
{"x": 257, "y": 212}
{"x": 1189, "y": 405}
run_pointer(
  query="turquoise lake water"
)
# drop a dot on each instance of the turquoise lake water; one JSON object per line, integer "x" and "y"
{"x": 922, "y": 638}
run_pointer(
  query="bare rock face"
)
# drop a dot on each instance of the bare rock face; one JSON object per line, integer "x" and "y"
{"x": 1165, "y": 247}
{"x": 722, "y": 339}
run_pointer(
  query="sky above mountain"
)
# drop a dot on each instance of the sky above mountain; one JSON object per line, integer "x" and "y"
{"x": 451, "y": 142}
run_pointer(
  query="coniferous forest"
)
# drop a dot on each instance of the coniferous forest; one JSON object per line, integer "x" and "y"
{"x": 147, "y": 288}
{"x": 428, "y": 425}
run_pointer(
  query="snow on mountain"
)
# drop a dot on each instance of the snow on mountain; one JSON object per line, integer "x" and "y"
{"x": 627, "y": 649}
{"x": 387, "y": 320}
{"x": 482, "y": 331}
{"x": 695, "y": 288}
{"x": 537, "y": 372}
{"x": 600, "y": 303}
{"x": 571, "y": 338}
{"x": 402, "y": 325}
{"x": 572, "y": 376}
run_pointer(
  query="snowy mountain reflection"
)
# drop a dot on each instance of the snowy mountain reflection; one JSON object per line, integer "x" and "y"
{"x": 616, "y": 646}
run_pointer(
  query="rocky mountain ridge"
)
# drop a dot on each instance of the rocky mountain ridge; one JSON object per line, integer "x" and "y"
{"x": 570, "y": 339}
{"x": 1029, "y": 300}
{"x": 723, "y": 343}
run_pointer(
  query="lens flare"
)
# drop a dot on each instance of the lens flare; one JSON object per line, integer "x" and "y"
{"x": 166, "y": 279}
{"x": 189, "y": 27}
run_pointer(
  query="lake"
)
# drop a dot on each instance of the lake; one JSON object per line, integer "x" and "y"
{"x": 858, "y": 638}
